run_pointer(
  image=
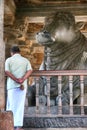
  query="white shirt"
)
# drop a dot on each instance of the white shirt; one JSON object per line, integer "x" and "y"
{"x": 18, "y": 66}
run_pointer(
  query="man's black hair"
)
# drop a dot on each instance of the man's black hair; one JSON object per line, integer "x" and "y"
{"x": 15, "y": 49}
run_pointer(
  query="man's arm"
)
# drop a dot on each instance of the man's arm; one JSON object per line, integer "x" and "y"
{"x": 28, "y": 73}
{"x": 11, "y": 76}
{"x": 19, "y": 80}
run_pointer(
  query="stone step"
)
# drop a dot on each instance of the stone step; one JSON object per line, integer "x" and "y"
{"x": 56, "y": 122}
{"x": 53, "y": 120}
{"x": 55, "y": 128}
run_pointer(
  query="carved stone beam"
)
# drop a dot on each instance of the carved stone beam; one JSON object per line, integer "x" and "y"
{"x": 9, "y": 12}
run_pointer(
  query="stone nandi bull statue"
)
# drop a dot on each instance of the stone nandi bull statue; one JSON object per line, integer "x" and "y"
{"x": 65, "y": 49}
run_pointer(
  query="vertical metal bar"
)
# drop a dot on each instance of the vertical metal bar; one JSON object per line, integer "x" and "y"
{"x": 48, "y": 95}
{"x": 71, "y": 94}
{"x": 60, "y": 95}
{"x": 82, "y": 93}
{"x": 37, "y": 94}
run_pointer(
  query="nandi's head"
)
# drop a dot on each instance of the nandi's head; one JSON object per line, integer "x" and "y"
{"x": 59, "y": 27}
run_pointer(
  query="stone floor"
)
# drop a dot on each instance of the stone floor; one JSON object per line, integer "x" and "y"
{"x": 55, "y": 128}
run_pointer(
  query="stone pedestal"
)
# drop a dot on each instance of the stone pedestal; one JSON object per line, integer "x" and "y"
{"x": 6, "y": 120}
{"x": 55, "y": 122}
{"x": 44, "y": 120}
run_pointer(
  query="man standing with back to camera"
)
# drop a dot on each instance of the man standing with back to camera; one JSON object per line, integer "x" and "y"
{"x": 17, "y": 70}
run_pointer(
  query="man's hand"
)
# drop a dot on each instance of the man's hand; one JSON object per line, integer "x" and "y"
{"x": 20, "y": 80}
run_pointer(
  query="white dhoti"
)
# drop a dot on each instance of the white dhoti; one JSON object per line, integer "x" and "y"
{"x": 15, "y": 103}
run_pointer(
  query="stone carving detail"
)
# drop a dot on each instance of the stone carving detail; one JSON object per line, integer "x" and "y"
{"x": 18, "y": 29}
{"x": 65, "y": 49}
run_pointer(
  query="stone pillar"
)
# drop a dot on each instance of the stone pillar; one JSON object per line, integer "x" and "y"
{"x": 71, "y": 93}
{"x": 2, "y": 58}
{"x": 82, "y": 93}
{"x": 6, "y": 118}
{"x": 37, "y": 95}
{"x": 60, "y": 95}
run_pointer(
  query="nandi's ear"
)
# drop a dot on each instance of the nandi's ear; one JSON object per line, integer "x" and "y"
{"x": 79, "y": 25}
{"x": 48, "y": 20}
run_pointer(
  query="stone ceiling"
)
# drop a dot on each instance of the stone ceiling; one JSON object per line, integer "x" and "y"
{"x": 27, "y": 16}
{"x": 44, "y": 7}
{"x": 24, "y": 18}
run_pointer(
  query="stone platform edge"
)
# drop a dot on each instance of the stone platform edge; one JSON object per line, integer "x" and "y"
{"x": 56, "y": 122}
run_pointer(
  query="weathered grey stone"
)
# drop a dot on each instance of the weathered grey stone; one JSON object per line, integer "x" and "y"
{"x": 55, "y": 122}
{"x": 65, "y": 49}
{"x": 54, "y": 110}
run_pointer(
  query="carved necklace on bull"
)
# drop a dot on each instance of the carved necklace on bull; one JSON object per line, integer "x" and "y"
{"x": 61, "y": 55}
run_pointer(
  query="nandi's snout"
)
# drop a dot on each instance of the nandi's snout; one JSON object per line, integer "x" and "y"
{"x": 44, "y": 37}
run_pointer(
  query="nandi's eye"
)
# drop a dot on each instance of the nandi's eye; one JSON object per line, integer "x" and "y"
{"x": 45, "y": 31}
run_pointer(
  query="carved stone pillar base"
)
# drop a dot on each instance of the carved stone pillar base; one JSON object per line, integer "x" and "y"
{"x": 6, "y": 121}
